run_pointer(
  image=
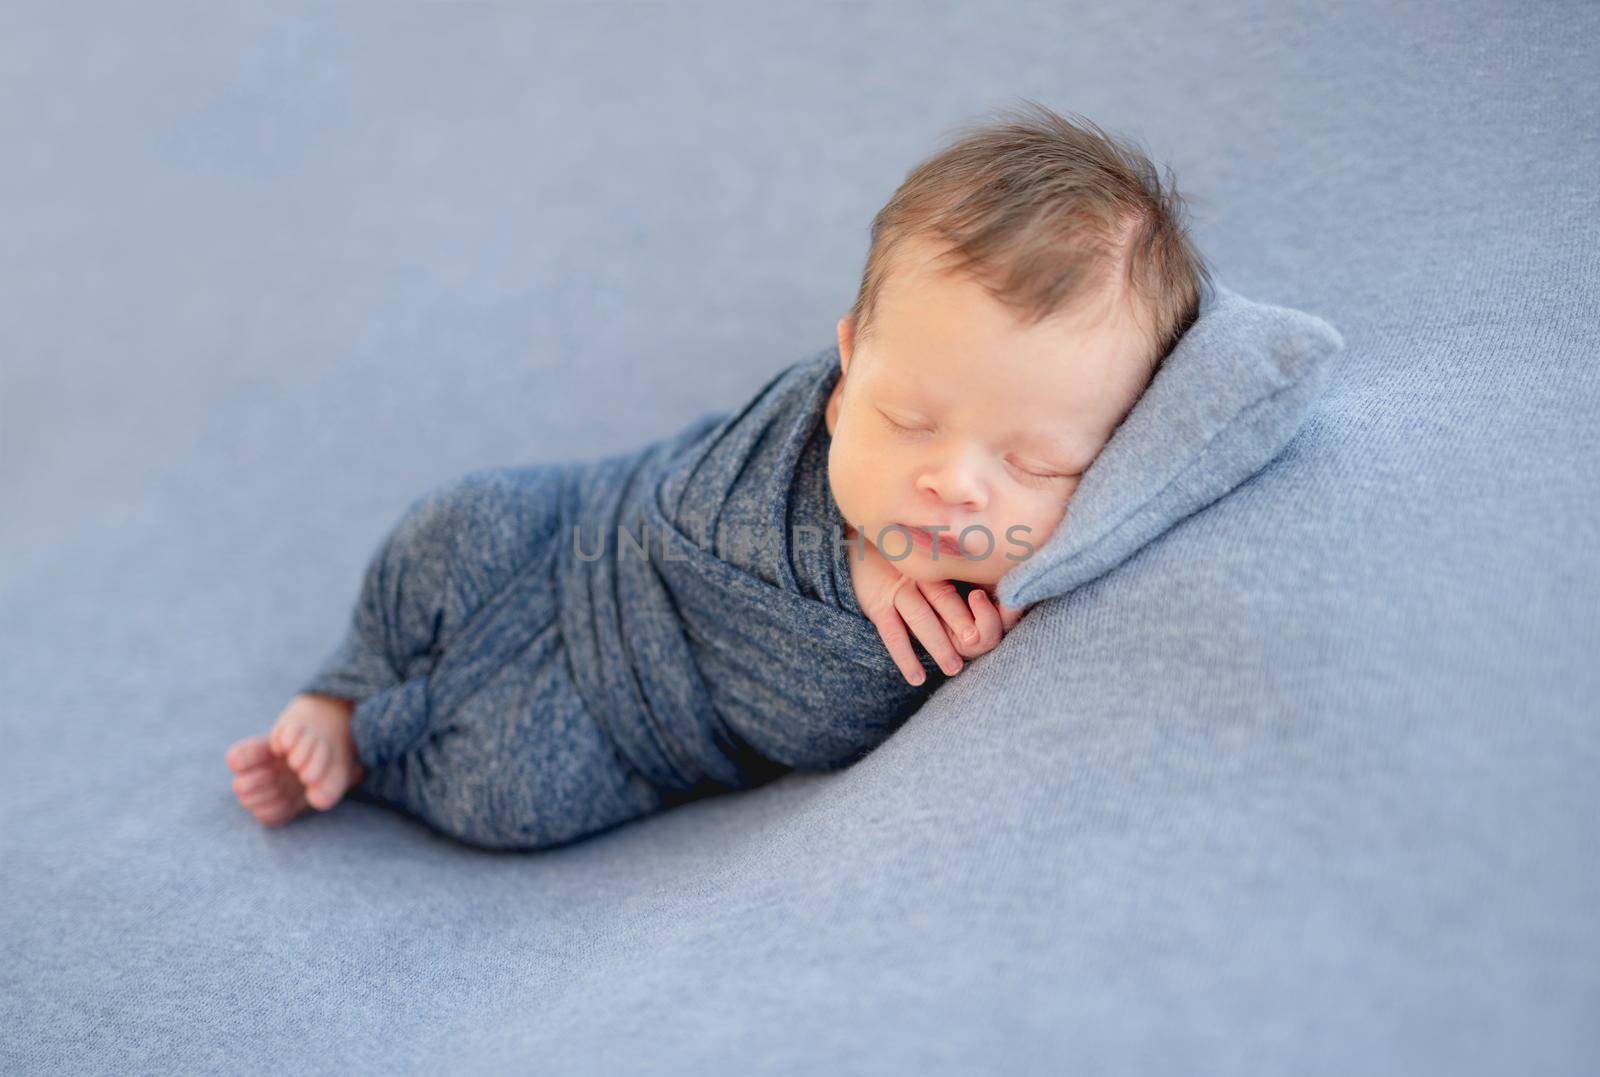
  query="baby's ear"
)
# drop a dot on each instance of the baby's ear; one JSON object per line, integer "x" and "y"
{"x": 847, "y": 342}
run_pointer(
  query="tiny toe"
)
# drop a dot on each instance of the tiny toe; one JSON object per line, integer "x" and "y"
{"x": 316, "y": 768}
{"x": 300, "y": 754}
{"x": 322, "y": 797}
{"x": 257, "y": 799}
{"x": 282, "y": 811}
{"x": 290, "y": 783}
{"x": 258, "y": 778}
{"x": 247, "y": 753}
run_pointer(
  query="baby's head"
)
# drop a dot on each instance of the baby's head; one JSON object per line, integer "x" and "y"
{"x": 1022, "y": 288}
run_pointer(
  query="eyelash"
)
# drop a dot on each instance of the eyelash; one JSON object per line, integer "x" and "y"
{"x": 1028, "y": 476}
{"x": 1042, "y": 480}
{"x": 896, "y": 426}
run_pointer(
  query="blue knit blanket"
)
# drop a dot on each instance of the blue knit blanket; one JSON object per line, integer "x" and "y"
{"x": 706, "y": 599}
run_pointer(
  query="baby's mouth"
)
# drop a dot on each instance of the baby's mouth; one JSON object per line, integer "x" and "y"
{"x": 946, "y": 543}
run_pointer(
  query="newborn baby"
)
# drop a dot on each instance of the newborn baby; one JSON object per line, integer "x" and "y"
{"x": 541, "y": 653}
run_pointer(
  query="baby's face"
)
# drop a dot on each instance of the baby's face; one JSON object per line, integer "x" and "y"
{"x": 953, "y": 414}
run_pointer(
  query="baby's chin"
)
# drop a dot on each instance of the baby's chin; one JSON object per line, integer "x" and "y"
{"x": 921, "y": 565}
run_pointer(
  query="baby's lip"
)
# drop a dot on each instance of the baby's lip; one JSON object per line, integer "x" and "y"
{"x": 947, "y": 542}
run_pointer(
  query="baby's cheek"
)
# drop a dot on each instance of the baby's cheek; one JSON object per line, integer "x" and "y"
{"x": 1020, "y": 536}
{"x": 847, "y": 476}
{"x": 1043, "y": 527}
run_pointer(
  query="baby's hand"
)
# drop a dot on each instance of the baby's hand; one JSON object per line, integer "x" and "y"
{"x": 935, "y": 612}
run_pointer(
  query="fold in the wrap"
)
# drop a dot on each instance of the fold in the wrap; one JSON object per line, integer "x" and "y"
{"x": 732, "y": 647}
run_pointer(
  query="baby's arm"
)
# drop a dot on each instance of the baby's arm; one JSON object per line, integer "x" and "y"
{"x": 935, "y": 612}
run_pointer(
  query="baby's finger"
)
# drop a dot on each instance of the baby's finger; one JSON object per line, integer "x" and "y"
{"x": 894, "y": 637}
{"x": 987, "y": 617}
{"x": 927, "y": 627}
{"x": 947, "y": 603}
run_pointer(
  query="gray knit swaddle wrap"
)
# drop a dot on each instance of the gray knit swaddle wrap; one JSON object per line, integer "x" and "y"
{"x": 734, "y": 648}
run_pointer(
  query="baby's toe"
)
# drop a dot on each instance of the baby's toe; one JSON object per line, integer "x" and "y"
{"x": 321, "y": 797}
{"x": 255, "y": 779}
{"x": 286, "y": 736}
{"x": 277, "y": 818}
{"x": 316, "y": 767}
{"x": 276, "y": 814}
{"x": 342, "y": 775}
{"x": 300, "y": 754}
{"x": 248, "y": 753}
{"x": 279, "y": 805}
{"x": 266, "y": 798}
{"x": 258, "y": 800}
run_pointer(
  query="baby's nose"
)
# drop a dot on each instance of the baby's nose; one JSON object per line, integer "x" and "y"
{"x": 956, "y": 486}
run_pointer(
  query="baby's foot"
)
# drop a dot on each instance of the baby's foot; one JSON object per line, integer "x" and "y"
{"x": 307, "y": 760}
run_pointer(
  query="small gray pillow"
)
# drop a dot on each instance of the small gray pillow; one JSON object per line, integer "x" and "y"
{"x": 1226, "y": 401}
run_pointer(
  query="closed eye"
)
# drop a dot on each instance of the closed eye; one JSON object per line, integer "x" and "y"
{"x": 896, "y": 426}
{"x": 1033, "y": 478}
{"x": 1040, "y": 477}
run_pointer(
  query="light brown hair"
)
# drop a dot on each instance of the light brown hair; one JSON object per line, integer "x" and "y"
{"x": 1044, "y": 210}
